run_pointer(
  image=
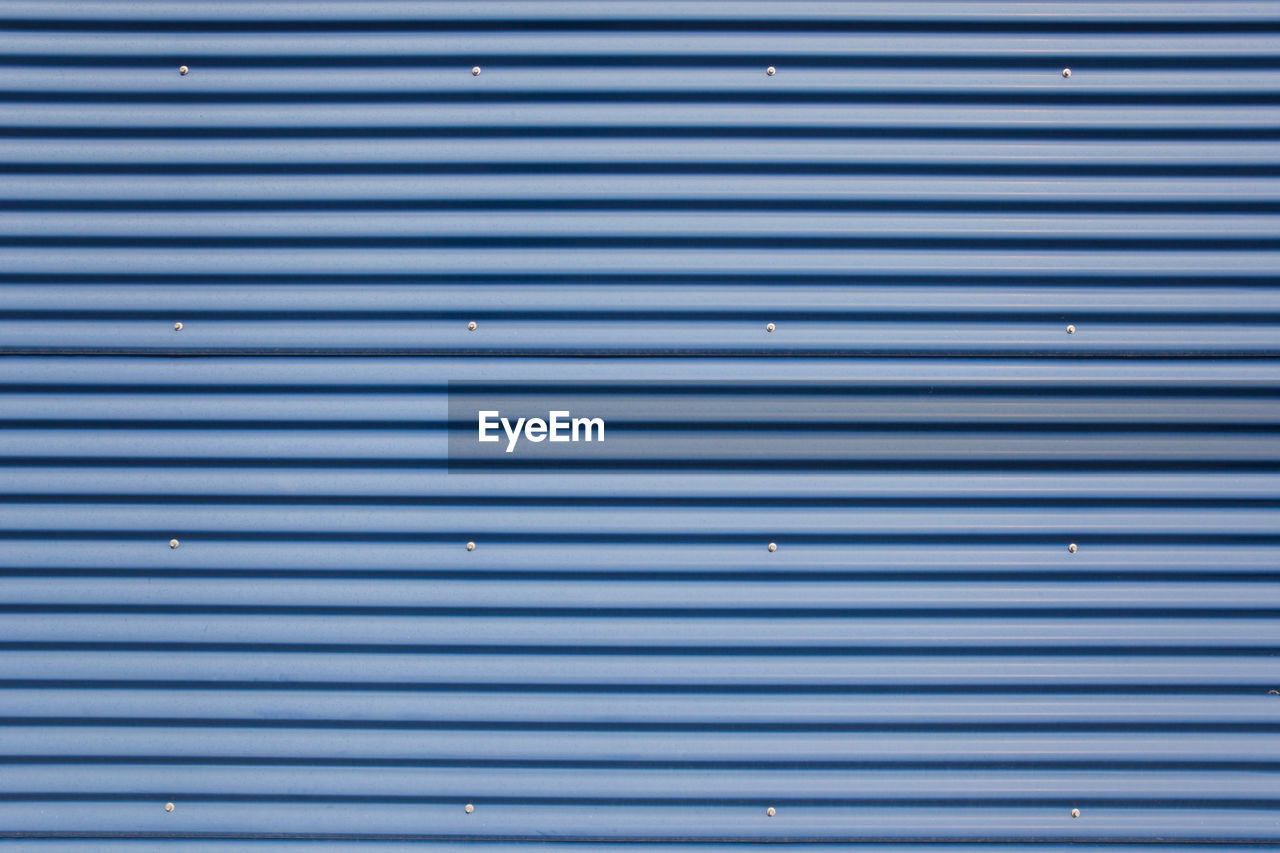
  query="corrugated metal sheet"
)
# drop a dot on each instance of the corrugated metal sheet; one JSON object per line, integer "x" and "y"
{"x": 919, "y": 200}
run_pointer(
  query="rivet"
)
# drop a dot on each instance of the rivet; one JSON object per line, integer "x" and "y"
{"x": 1075, "y": 813}
{"x": 468, "y": 808}
{"x": 770, "y": 327}
{"x": 168, "y": 807}
{"x": 771, "y": 71}
{"x": 471, "y": 327}
{"x": 177, "y": 327}
{"x": 1066, "y": 72}
{"x": 182, "y": 69}
{"x": 771, "y": 811}
{"x": 773, "y": 546}
{"x": 1071, "y": 549}
{"x": 475, "y": 71}
{"x": 1071, "y": 330}
{"x": 173, "y": 543}
{"x": 471, "y": 546}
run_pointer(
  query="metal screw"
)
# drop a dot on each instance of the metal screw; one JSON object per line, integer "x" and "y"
{"x": 1071, "y": 549}
{"x": 173, "y": 543}
{"x": 1066, "y": 72}
{"x": 468, "y": 808}
{"x": 471, "y": 327}
{"x": 471, "y": 546}
{"x": 771, "y": 71}
{"x": 475, "y": 72}
{"x": 770, "y": 327}
{"x": 1071, "y": 330}
{"x": 168, "y": 807}
{"x": 773, "y": 546}
{"x": 771, "y": 811}
{"x": 1075, "y": 813}
{"x": 177, "y": 327}
{"x": 182, "y": 69}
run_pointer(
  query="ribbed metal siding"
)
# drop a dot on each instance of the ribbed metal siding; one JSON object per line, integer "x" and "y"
{"x": 920, "y": 202}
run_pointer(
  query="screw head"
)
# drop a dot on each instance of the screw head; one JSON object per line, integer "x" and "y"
{"x": 771, "y": 71}
{"x": 177, "y": 327}
{"x": 770, "y": 327}
{"x": 468, "y": 808}
{"x": 773, "y": 546}
{"x": 182, "y": 69}
{"x": 1071, "y": 330}
{"x": 771, "y": 811}
{"x": 1075, "y": 813}
{"x": 471, "y": 546}
{"x": 168, "y": 807}
{"x": 471, "y": 327}
{"x": 1066, "y": 72}
{"x": 173, "y": 543}
{"x": 475, "y": 71}
{"x": 1071, "y": 549}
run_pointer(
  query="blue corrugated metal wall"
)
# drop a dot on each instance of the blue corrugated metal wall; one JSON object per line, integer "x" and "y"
{"x": 232, "y": 297}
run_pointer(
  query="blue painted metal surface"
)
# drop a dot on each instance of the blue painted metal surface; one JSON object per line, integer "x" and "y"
{"x": 918, "y": 199}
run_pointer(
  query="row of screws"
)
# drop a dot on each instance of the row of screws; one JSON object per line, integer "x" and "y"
{"x": 769, "y": 327}
{"x": 772, "y": 547}
{"x": 475, "y": 71}
{"x": 469, "y": 809}
{"x": 471, "y": 327}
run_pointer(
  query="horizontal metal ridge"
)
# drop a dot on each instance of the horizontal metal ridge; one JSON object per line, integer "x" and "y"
{"x": 235, "y": 820}
{"x": 124, "y": 484}
{"x": 412, "y": 632}
{"x": 726, "y": 14}
{"x": 620, "y": 710}
{"x": 689, "y": 560}
{"x": 436, "y": 78}
{"x": 673, "y": 595}
{"x": 642, "y": 787}
{"x": 1008, "y": 672}
{"x": 358, "y": 375}
{"x": 885, "y": 749}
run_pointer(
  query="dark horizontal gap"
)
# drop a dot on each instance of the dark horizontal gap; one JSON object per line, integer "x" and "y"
{"x": 1163, "y": 611}
{"x": 624, "y": 131}
{"x": 1171, "y": 353}
{"x": 1023, "y": 501}
{"x": 995, "y": 168}
{"x": 773, "y": 650}
{"x": 954, "y": 318}
{"x": 192, "y": 798}
{"x": 1001, "y": 389}
{"x": 1192, "y": 727}
{"x": 1176, "y": 59}
{"x": 174, "y": 94}
{"x": 822, "y": 841}
{"x": 819, "y": 841}
{"x": 705, "y": 464}
{"x": 941, "y": 23}
{"x": 1099, "y": 281}
{"x": 672, "y": 576}
{"x": 768, "y": 205}
{"x": 641, "y": 689}
{"x": 760, "y": 130}
{"x": 467, "y": 429}
{"x": 671, "y": 241}
{"x": 1100, "y": 763}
